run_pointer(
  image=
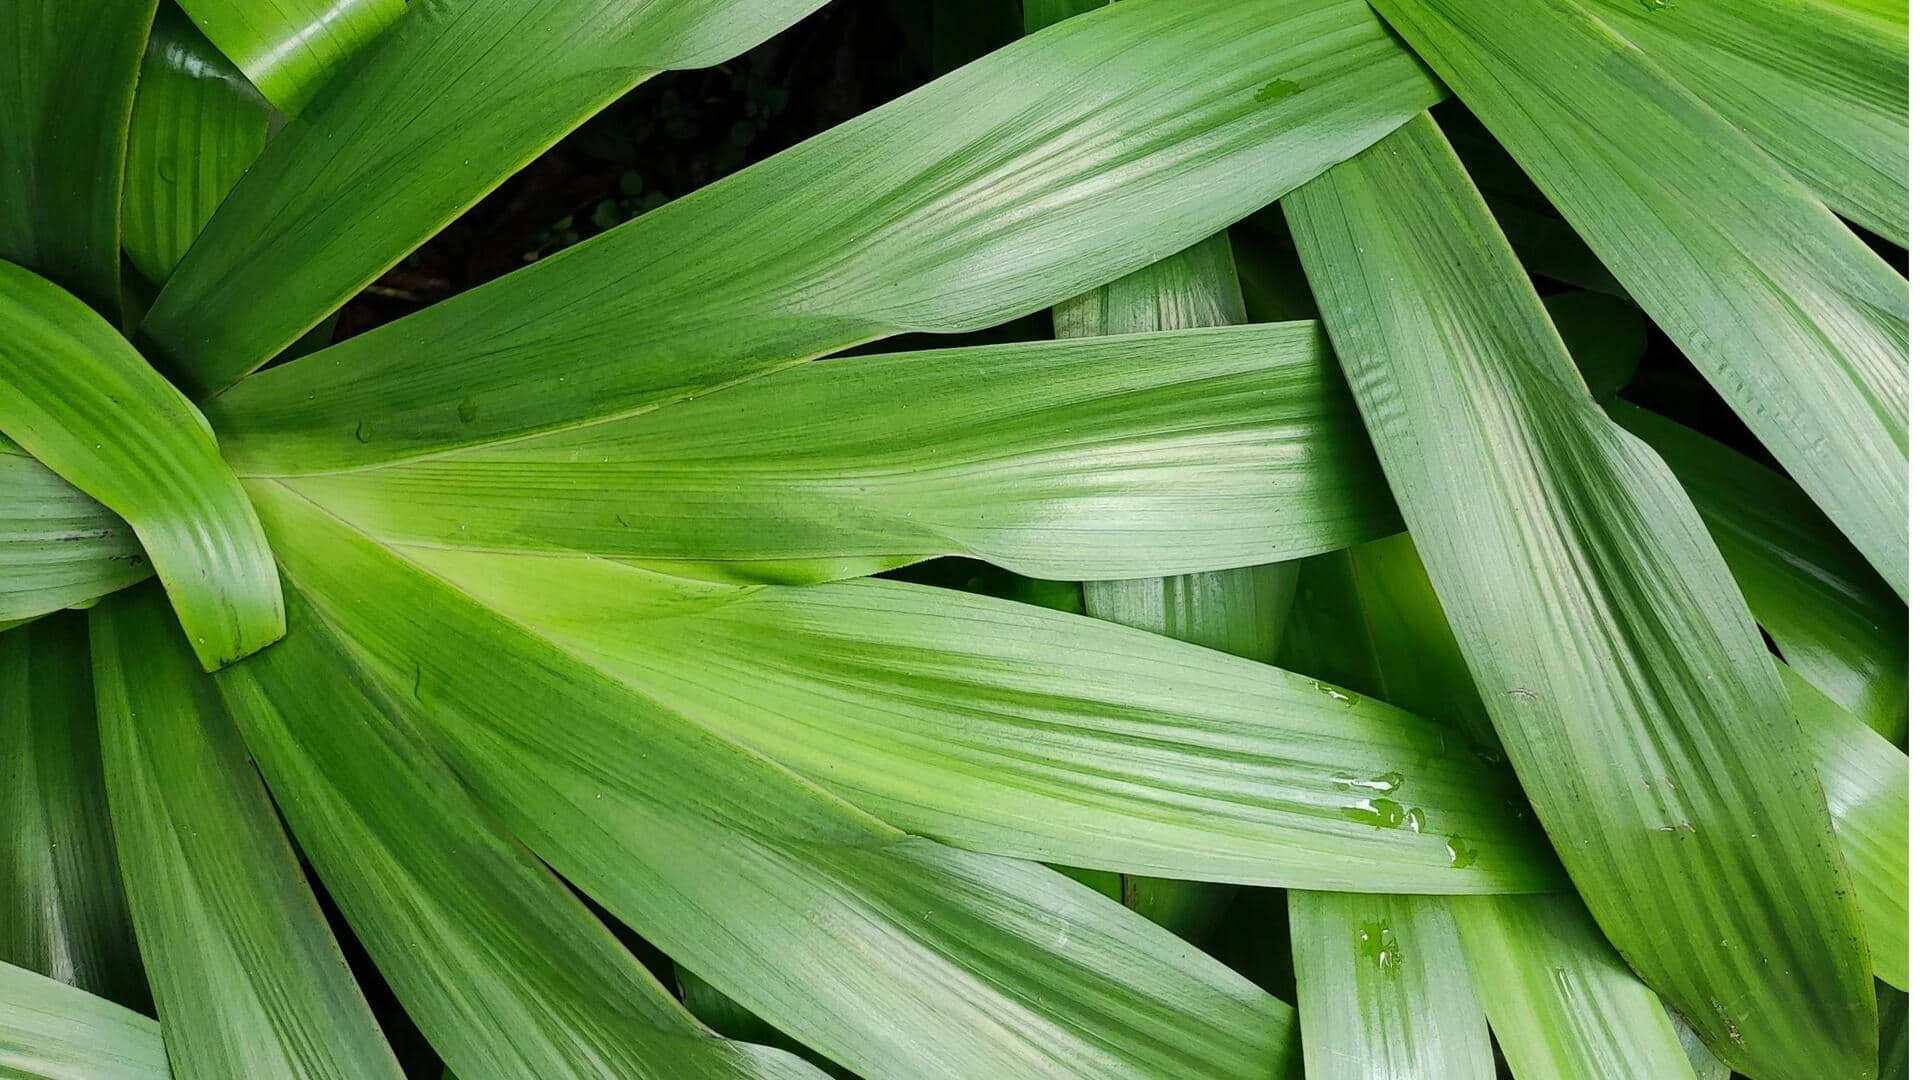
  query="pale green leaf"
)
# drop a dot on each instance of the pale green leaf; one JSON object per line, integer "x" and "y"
{"x": 501, "y": 966}
{"x": 1562, "y": 1003}
{"x": 1819, "y": 84}
{"x": 1609, "y": 643}
{"x": 1056, "y": 164}
{"x": 890, "y": 954}
{"x": 1027, "y": 732}
{"x": 1107, "y": 458}
{"x": 1384, "y": 990}
{"x": 51, "y": 1030}
{"x": 292, "y": 48}
{"x": 248, "y": 979}
{"x": 1792, "y": 318}
{"x": 80, "y": 399}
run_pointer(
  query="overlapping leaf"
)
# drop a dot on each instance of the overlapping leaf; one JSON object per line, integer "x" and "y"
{"x": 1820, "y": 84}
{"x": 197, "y": 124}
{"x": 69, "y": 68}
{"x": 247, "y": 977}
{"x": 1832, "y": 617}
{"x": 448, "y": 103}
{"x": 1022, "y": 731}
{"x": 1043, "y": 170}
{"x": 891, "y": 954}
{"x": 57, "y": 546}
{"x": 1795, "y": 321}
{"x": 292, "y": 48}
{"x": 502, "y": 967}
{"x": 1628, "y": 685}
{"x": 1108, "y": 458}
{"x": 77, "y": 396}
{"x": 49, "y": 1029}
{"x": 62, "y": 913}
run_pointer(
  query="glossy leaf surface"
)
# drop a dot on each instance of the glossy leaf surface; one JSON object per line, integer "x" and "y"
{"x": 1610, "y": 645}
{"x": 76, "y": 396}
{"x": 292, "y": 48}
{"x": 1056, "y": 164}
{"x": 1792, "y": 318}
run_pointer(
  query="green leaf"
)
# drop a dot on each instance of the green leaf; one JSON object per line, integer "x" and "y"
{"x": 1865, "y": 779}
{"x": 248, "y": 979}
{"x": 1054, "y": 165}
{"x": 1371, "y": 613}
{"x": 292, "y": 48}
{"x": 1832, "y": 617}
{"x": 1115, "y": 457}
{"x": 448, "y": 103}
{"x": 891, "y": 954}
{"x": 49, "y": 1029}
{"x": 197, "y": 125}
{"x": 1819, "y": 84}
{"x": 1084, "y": 743}
{"x": 501, "y": 966}
{"x": 1384, "y": 989}
{"x": 57, "y": 546}
{"x": 1609, "y": 643}
{"x": 74, "y": 394}
{"x": 69, "y": 69}
{"x": 1561, "y": 1002}
{"x": 62, "y": 913}
{"x": 1792, "y": 318}
{"x": 1893, "y": 1035}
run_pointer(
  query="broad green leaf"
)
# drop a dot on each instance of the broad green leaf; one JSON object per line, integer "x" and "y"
{"x": 1819, "y": 84}
{"x": 1865, "y": 779}
{"x": 1609, "y": 643}
{"x": 1370, "y": 614}
{"x": 1114, "y": 457}
{"x": 1238, "y": 610}
{"x": 75, "y": 395}
{"x": 57, "y": 546}
{"x": 1060, "y": 162}
{"x": 62, "y": 913}
{"x": 1041, "y": 14}
{"x": 1792, "y": 318}
{"x": 69, "y": 68}
{"x": 893, "y": 955}
{"x": 1084, "y": 743}
{"x": 248, "y": 979}
{"x": 291, "y": 48}
{"x": 501, "y": 966}
{"x": 1832, "y": 617}
{"x": 448, "y": 103}
{"x": 1384, "y": 990}
{"x": 49, "y": 1029}
{"x": 1561, "y": 1002}
{"x": 197, "y": 125}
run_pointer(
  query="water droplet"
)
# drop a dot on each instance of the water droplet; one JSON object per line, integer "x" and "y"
{"x": 1378, "y": 946}
{"x": 1334, "y": 692}
{"x": 1462, "y": 854}
{"x": 1385, "y": 782}
{"x": 1379, "y": 813}
{"x": 469, "y": 409}
{"x": 1416, "y": 819}
{"x": 362, "y": 432}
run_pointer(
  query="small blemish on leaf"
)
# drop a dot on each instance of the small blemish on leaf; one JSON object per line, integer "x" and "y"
{"x": 1277, "y": 89}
